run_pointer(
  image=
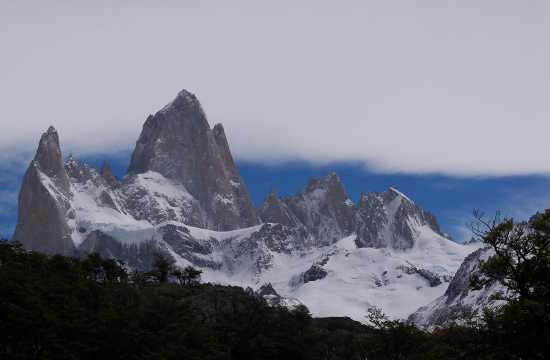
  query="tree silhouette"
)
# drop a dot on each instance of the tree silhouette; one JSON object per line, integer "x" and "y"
{"x": 161, "y": 268}
{"x": 188, "y": 276}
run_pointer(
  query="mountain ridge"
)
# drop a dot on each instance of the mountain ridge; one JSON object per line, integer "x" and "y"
{"x": 183, "y": 196}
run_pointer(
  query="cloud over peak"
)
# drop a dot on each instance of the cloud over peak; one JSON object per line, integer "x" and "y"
{"x": 450, "y": 89}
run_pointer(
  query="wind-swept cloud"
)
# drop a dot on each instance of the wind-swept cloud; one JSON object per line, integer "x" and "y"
{"x": 456, "y": 88}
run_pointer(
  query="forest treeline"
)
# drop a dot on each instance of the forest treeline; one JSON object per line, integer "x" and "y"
{"x": 55, "y": 307}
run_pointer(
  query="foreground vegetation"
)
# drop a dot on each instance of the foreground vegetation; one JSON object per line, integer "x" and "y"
{"x": 66, "y": 308}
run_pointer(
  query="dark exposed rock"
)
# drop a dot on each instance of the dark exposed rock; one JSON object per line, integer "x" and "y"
{"x": 48, "y": 157}
{"x": 371, "y": 221}
{"x": 267, "y": 289}
{"x": 275, "y": 210}
{"x": 323, "y": 210}
{"x": 432, "y": 278}
{"x": 280, "y": 238}
{"x": 326, "y": 215}
{"x": 183, "y": 244}
{"x": 268, "y": 293}
{"x": 44, "y": 201}
{"x": 273, "y": 299}
{"x": 178, "y": 143}
{"x": 390, "y": 219}
{"x": 315, "y": 272}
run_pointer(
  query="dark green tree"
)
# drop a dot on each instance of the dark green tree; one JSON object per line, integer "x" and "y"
{"x": 521, "y": 263}
{"x": 394, "y": 339}
{"x": 187, "y": 276}
{"x": 161, "y": 268}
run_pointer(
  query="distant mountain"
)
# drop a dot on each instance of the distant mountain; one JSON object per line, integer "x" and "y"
{"x": 183, "y": 196}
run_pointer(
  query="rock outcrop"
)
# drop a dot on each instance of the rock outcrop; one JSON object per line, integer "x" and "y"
{"x": 391, "y": 219}
{"x": 44, "y": 201}
{"x": 273, "y": 299}
{"x": 325, "y": 214}
{"x": 177, "y": 143}
{"x": 322, "y": 209}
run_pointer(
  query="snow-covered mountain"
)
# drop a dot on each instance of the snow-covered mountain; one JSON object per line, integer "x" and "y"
{"x": 183, "y": 196}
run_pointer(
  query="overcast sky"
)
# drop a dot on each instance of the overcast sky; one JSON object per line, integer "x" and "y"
{"x": 453, "y": 87}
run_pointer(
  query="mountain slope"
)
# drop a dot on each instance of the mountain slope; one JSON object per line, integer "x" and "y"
{"x": 460, "y": 302}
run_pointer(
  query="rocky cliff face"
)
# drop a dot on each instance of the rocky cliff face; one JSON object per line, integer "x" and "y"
{"x": 44, "y": 201}
{"x": 177, "y": 143}
{"x": 325, "y": 215}
{"x": 391, "y": 219}
{"x": 323, "y": 211}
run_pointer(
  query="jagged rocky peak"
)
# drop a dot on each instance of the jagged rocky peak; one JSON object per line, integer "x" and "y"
{"x": 323, "y": 209}
{"x": 177, "y": 142}
{"x": 330, "y": 183}
{"x": 326, "y": 191}
{"x": 72, "y": 167}
{"x": 391, "y": 219}
{"x": 274, "y": 210}
{"x": 392, "y": 193}
{"x": 80, "y": 172}
{"x": 267, "y": 289}
{"x": 48, "y": 155}
{"x": 44, "y": 200}
{"x": 184, "y": 101}
{"x": 408, "y": 210}
{"x": 273, "y": 299}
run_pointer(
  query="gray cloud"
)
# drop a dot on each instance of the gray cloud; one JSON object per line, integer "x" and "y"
{"x": 454, "y": 87}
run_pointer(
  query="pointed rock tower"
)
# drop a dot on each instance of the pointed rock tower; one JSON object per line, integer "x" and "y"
{"x": 323, "y": 209}
{"x": 44, "y": 201}
{"x": 275, "y": 210}
{"x": 391, "y": 219}
{"x": 177, "y": 142}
